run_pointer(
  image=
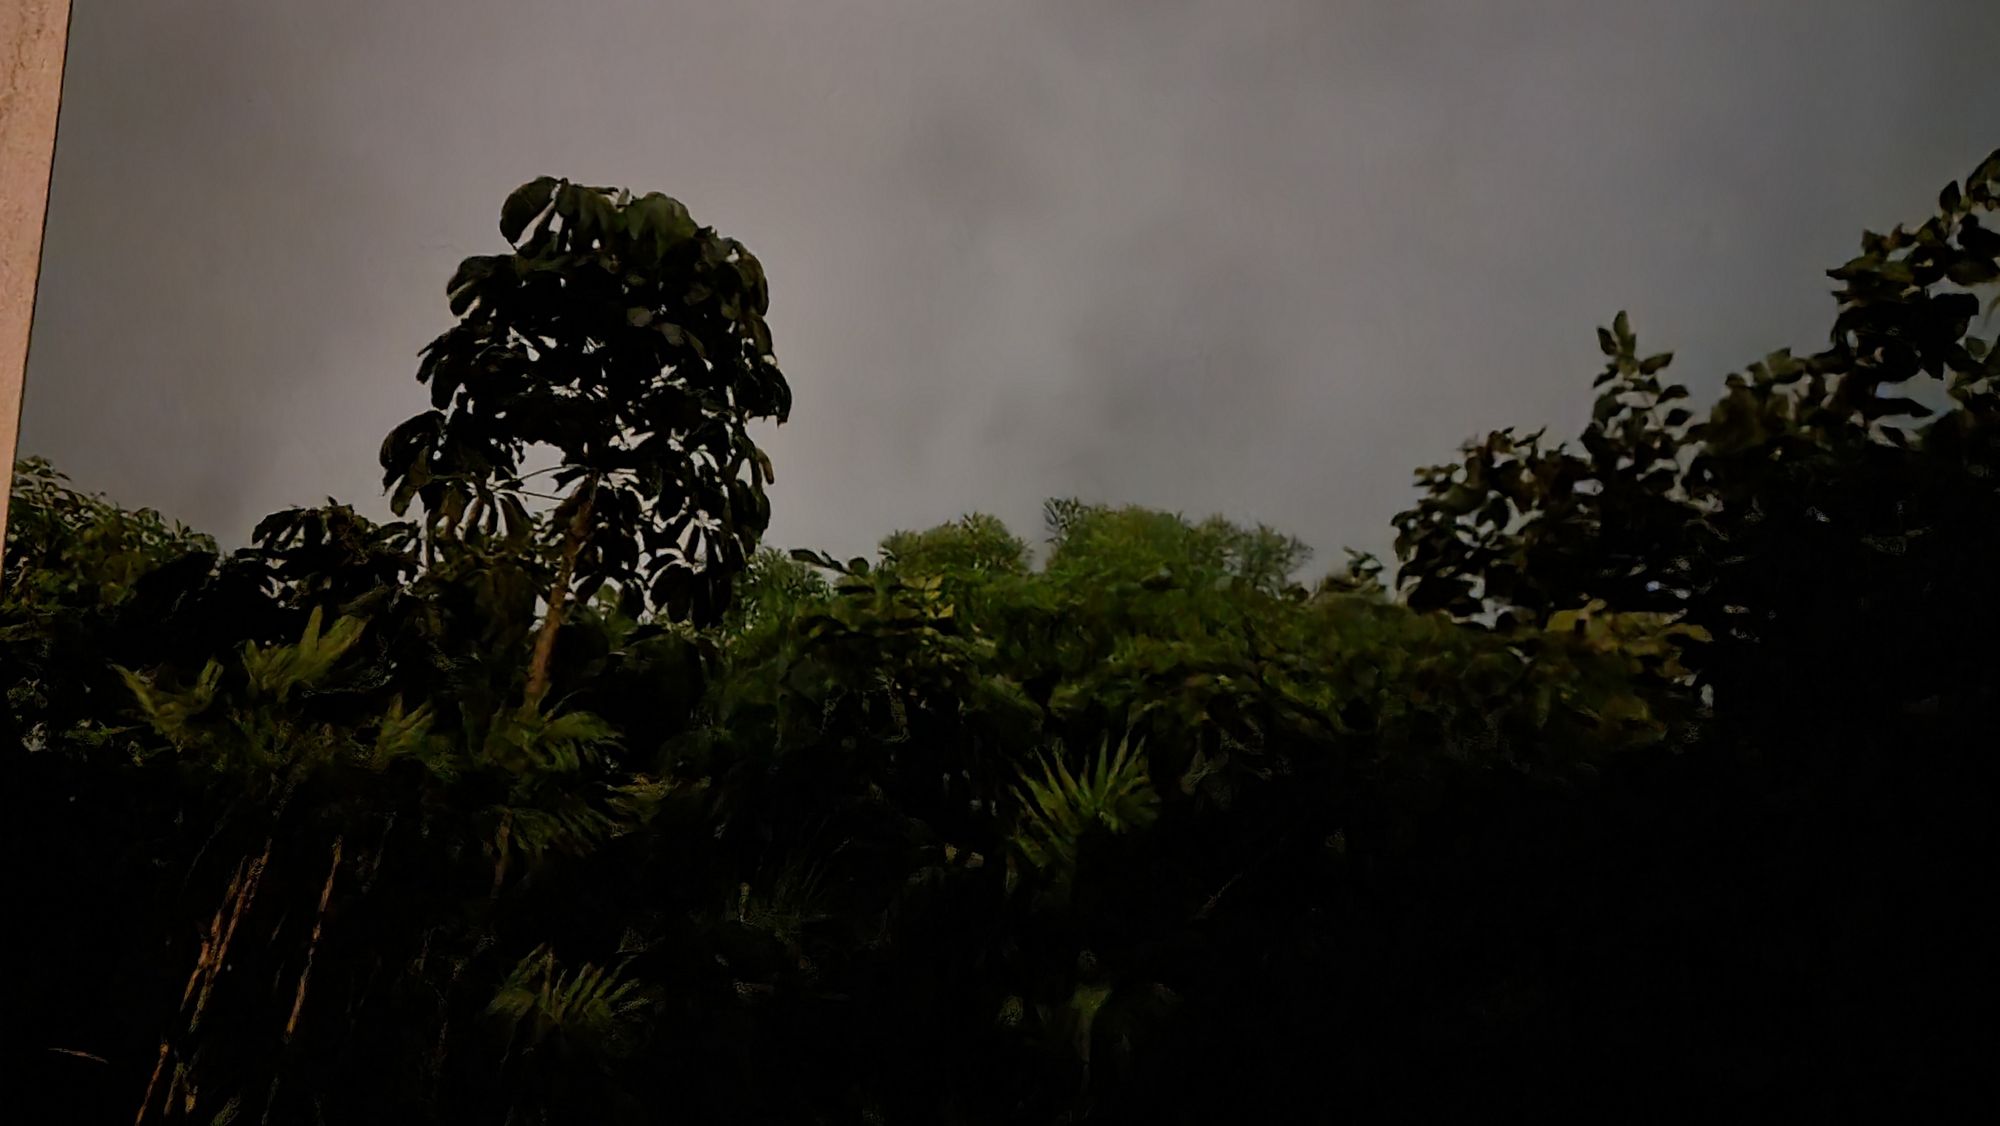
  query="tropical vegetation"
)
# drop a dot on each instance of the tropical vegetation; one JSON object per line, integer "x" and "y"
{"x": 1657, "y": 780}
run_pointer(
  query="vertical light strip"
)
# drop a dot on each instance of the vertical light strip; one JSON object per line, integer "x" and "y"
{"x": 33, "y": 37}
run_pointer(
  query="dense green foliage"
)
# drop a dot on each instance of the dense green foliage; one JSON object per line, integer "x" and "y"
{"x": 1664, "y": 789}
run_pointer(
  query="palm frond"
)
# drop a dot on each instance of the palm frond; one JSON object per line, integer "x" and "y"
{"x": 589, "y": 1010}
{"x": 1112, "y": 793}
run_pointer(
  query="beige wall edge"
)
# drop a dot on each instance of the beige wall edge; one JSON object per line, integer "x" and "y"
{"x": 36, "y": 35}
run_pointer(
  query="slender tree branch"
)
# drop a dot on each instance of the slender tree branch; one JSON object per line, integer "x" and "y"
{"x": 545, "y": 643}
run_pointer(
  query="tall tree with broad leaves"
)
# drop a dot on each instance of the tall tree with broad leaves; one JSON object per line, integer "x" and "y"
{"x": 631, "y": 343}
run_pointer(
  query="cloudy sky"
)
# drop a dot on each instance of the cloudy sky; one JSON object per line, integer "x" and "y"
{"x": 1261, "y": 257}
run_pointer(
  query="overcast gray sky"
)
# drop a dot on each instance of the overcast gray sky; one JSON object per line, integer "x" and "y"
{"x": 1261, "y": 257}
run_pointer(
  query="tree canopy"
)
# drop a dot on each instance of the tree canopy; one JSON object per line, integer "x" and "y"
{"x": 1655, "y": 783}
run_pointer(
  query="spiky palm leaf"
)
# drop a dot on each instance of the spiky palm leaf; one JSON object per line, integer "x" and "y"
{"x": 1060, "y": 808}
{"x": 589, "y": 1010}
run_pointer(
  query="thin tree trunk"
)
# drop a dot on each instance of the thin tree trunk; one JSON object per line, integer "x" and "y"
{"x": 208, "y": 965}
{"x": 312, "y": 944}
{"x": 545, "y": 642}
{"x": 305, "y": 975}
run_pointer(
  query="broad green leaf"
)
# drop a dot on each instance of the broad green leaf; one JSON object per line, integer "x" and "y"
{"x": 527, "y": 201}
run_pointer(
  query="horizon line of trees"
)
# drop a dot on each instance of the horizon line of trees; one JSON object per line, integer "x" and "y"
{"x": 1658, "y": 782}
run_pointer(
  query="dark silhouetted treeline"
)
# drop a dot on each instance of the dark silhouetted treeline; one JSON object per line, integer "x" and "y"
{"x": 1658, "y": 786}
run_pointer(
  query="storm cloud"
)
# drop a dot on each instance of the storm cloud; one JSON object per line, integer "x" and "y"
{"x": 1261, "y": 257}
